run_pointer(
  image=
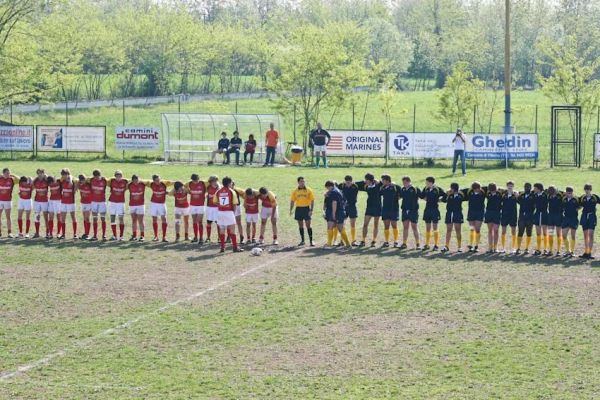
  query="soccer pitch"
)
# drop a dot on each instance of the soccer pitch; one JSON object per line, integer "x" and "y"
{"x": 155, "y": 321}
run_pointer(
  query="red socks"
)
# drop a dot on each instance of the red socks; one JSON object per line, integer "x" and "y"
{"x": 195, "y": 227}
{"x": 50, "y": 227}
{"x": 208, "y": 229}
{"x": 37, "y": 227}
{"x": 164, "y": 229}
{"x": 222, "y": 241}
{"x": 113, "y": 227}
{"x": 155, "y": 228}
{"x": 20, "y": 221}
{"x": 103, "y": 228}
{"x": 233, "y": 238}
{"x": 95, "y": 225}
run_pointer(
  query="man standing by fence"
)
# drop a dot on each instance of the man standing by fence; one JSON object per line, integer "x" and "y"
{"x": 272, "y": 138}
{"x": 460, "y": 141}
{"x": 319, "y": 139}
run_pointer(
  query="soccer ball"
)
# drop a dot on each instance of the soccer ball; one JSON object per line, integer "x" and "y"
{"x": 257, "y": 251}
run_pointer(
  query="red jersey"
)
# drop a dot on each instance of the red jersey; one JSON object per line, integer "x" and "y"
{"x": 269, "y": 200}
{"x": 251, "y": 205}
{"x": 181, "y": 199}
{"x": 98, "y": 189}
{"x": 85, "y": 192}
{"x": 117, "y": 190}
{"x": 210, "y": 195}
{"x": 25, "y": 190}
{"x": 136, "y": 193}
{"x": 197, "y": 193}
{"x": 55, "y": 189}
{"x": 6, "y": 188}
{"x": 226, "y": 199}
{"x": 41, "y": 190}
{"x": 67, "y": 192}
{"x": 159, "y": 192}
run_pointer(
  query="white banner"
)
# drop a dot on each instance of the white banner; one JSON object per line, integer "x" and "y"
{"x": 479, "y": 146}
{"x": 16, "y": 138}
{"x": 597, "y": 147}
{"x": 71, "y": 138}
{"x": 132, "y": 138}
{"x": 357, "y": 143}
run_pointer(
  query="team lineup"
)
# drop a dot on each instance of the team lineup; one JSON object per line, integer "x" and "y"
{"x": 555, "y": 214}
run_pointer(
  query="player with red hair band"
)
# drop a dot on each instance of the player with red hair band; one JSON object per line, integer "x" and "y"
{"x": 137, "y": 191}
{"x": 182, "y": 209}
{"x": 67, "y": 203}
{"x": 98, "y": 184}
{"x": 7, "y": 183}
{"x": 251, "y": 209}
{"x": 197, "y": 191}
{"x": 212, "y": 210}
{"x": 85, "y": 201}
{"x": 238, "y": 210}
{"x": 53, "y": 206}
{"x": 116, "y": 204}
{"x": 158, "y": 206}
{"x": 268, "y": 210}
{"x": 24, "y": 205}
{"x": 40, "y": 201}
{"x": 226, "y": 200}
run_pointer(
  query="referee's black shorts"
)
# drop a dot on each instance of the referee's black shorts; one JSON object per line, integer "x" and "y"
{"x": 302, "y": 214}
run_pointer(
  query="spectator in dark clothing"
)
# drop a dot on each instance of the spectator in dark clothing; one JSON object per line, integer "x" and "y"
{"x": 250, "y": 148}
{"x": 222, "y": 147}
{"x": 234, "y": 147}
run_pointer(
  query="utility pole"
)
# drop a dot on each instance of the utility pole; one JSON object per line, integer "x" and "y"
{"x": 507, "y": 77}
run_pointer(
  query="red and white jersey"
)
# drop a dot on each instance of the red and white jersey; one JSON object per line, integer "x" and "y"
{"x": 55, "y": 190}
{"x": 181, "y": 199}
{"x": 117, "y": 190}
{"x": 159, "y": 192}
{"x": 210, "y": 195}
{"x": 269, "y": 200}
{"x": 197, "y": 193}
{"x": 85, "y": 192}
{"x": 41, "y": 190}
{"x": 136, "y": 193}
{"x": 226, "y": 199}
{"x": 67, "y": 192}
{"x": 98, "y": 189}
{"x": 6, "y": 187}
{"x": 25, "y": 190}
{"x": 251, "y": 204}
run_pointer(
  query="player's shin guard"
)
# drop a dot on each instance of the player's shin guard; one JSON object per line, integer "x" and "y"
{"x": 345, "y": 237}
{"x": 335, "y": 234}
{"x": 49, "y": 227}
{"x": 86, "y": 227}
{"x": 559, "y": 240}
{"x": 514, "y": 242}
{"x": 164, "y": 230}
{"x": 200, "y": 231}
{"x": 519, "y": 242}
{"x": 37, "y": 227}
{"x": 27, "y": 225}
{"x": 427, "y": 237}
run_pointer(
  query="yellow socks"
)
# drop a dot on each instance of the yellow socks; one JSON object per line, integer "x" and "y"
{"x": 335, "y": 233}
{"x": 566, "y": 242}
{"x": 558, "y": 243}
{"x": 503, "y": 240}
{"x": 519, "y": 242}
{"x": 514, "y": 242}
{"x": 436, "y": 238}
{"x": 459, "y": 243}
{"x": 477, "y": 238}
{"x": 395, "y": 232}
{"x": 572, "y": 245}
{"x": 549, "y": 242}
{"x": 427, "y": 237}
{"x": 386, "y": 235}
{"x": 538, "y": 242}
{"x": 345, "y": 237}
{"x": 353, "y": 234}
{"x": 471, "y": 238}
{"x": 527, "y": 241}
{"x": 329, "y": 237}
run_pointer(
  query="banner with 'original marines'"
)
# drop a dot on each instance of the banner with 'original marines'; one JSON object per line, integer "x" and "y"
{"x": 357, "y": 143}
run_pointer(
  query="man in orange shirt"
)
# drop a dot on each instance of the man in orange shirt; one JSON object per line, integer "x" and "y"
{"x": 272, "y": 137}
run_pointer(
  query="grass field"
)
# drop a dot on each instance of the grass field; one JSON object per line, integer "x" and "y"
{"x": 130, "y": 320}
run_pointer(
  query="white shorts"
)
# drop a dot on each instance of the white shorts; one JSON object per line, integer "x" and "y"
{"x": 267, "y": 212}
{"x": 40, "y": 206}
{"x": 5, "y": 205}
{"x": 24, "y": 204}
{"x": 182, "y": 211}
{"x": 238, "y": 211}
{"x": 137, "y": 210}
{"x": 319, "y": 148}
{"x": 195, "y": 210}
{"x": 252, "y": 218}
{"x": 225, "y": 218}
{"x": 67, "y": 208}
{"x": 54, "y": 206}
{"x": 99, "y": 207}
{"x": 212, "y": 213}
{"x": 158, "y": 209}
{"x": 116, "y": 209}
{"x": 86, "y": 207}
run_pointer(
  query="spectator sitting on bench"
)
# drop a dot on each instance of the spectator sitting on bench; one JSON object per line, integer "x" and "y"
{"x": 222, "y": 148}
{"x": 250, "y": 148}
{"x": 234, "y": 147}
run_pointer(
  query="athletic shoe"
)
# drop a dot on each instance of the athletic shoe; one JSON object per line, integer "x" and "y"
{"x": 435, "y": 248}
{"x": 373, "y": 244}
{"x": 475, "y": 249}
{"x": 418, "y": 247}
{"x": 36, "y": 235}
{"x": 11, "y": 236}
{"x": 113, "y": 238}
{"x": 141, "y": 239}
{"x": 61, "y": 237}
{"x": 584, "y": 256}
{"x": 93, "y": 239}
{"x": 84, "y": 237}
{"x": 222, "y": 250}
{"x": 459, "y": 250}
{"x": 301, "y": 243}
{"x": 20, "y": 235}
{"x": 469, "y": 248}
{"x": 445, "y": 249}
{"x": 362, "y": 243}
{"x": 155, "y": 239}
{"x": 312, "y": 243}
{"x": 275, "y": 242}
{"x": 133, "y": 238}
{"x": 104, "y": 238}
{"x": 546, "y": 253}
{"x": 261, "y": 241}
{"x": 238, "y": 250}
{"x": 195, "y": 240}
{"x": 75, "y": 237}
{"x": 526, "y": 251}
{"x": 354, "y": 243}
{"x": 537, "y": 253}
{"x": 395, "y": 244}
{"x": 557, "y": 254}
{"x": 27, "y": 236}
{"x": 164, "y": 240}
{"x": 403, "y": 246}
{"x": 425, "y": 248}
{"x": 385, "y": 244}
{"x": 517, "y": 252}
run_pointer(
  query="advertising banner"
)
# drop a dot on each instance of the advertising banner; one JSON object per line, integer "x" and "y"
{"x": 357, "y": 143}
{"x": 71, "y": 138}
{"x": 137, "y": 138}
{"x": 16, "y": 138}
{"x": 421, "y": 145}
{"x": 597, "y": 147}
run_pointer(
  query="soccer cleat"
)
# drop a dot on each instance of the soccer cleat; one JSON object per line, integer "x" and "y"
{"x": 301, "y": 243}
{"x": 195, "y": 240}
{"x": 164, "y": 240}
{"x": 261, "y": 241}
{"x": 395, "y": 244}
{"x": 20, "y": 235}
{"x": 133, "y": 239}
{"x": 537, "y": 253}
{"x": 385, "y": 244}
{"x": 469, "y": 248}
{"x": 546, "y": 253}
{"x": 362, "y": 243}
{"x": 526, "y": 251}
{"x": 113, "y": 238}
{"x": 104, "y": 238}
{"x": 475, "y": 249}
{"x": 373, "y": 244}
{"x": 275, "y": 242}
{"x": 141, "y": 239}
{"x": 585, "y": 256}
{"x": 75, "y": 237}
{"x": 459, "y": 250}
{"x": 445, "y": 249}
{"x": 61, "y": 237}
{"x": 176, "y": 238}
{"x": 238, "y": 250}
{"x": 222, "y": 250}
{"x": 354, "y": 243}
{"x": 312, "y": 243}
{"x": 84, "y": 237}
{"x": 120, "y": 238}
{"x": 11, "y": 236}
{"x": 36, "y": 235}
{"x": 93, "y": 239}
{"x": 403, "y": 246}
{"x": 418, "y": 247}
{"x": 557, "y": 254}
{"x": 48, "y": 236}
{"x": 155, "y": 239}
{"x": 435, "y": 248}
{"x": 425, "y": 248}
{"x": 27, "y": 236}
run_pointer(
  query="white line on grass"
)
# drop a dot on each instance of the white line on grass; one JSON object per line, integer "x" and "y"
{"x": 4, "y": 376}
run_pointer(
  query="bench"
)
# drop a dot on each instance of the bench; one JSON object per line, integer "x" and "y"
{"x": 259, "y": 154}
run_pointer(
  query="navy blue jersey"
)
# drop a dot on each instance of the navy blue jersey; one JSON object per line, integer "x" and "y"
{"x": 588, "y": 204}
{"x": 526, "y": 203}
{"x": 476, "y": 199}
{"x": 555, "y": 204}
{"x": 390, "y": 195}
{"x": 432, "y": 197}
{"x": 540, "y": 202}
{"x": 350, "y": 192}
{"x": 494, "y": 201}
{"x": 223, "y": 144}
{"x": 334, "y": 196}
{"x": 410, "y": 198}
{"x": 373, "y": 195}
{"x": 454, "y": 202}
{"x": 319, "y": 137}
{"x": 509, "y": 203}
{"x": 570, "y": 207}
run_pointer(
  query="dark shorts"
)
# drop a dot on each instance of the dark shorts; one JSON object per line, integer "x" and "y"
{"x": 454, "y": 218}
{"x": 492, "y": 217}
{"x": 431, "y": 216}
{"x": 540, "y": 218}
{"x": 588, "y": 221}
{"x": 508, "y": 219}
{"x": 390, "y": 215}
{"x": 373, "y": 212}
{"x": 555, "y": 220}
{"x": 302, "y": 214}
{"x": 410, "y": 215}
{"x": 475, "y": 215}
{"x": 525, "y": 219}
{"x": 338, "y": 219}
{"x": 570, "y": 222}
{"x": 351, "y": 211}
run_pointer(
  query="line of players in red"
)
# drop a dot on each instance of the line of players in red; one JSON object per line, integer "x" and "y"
{"x": 218, "y": 203}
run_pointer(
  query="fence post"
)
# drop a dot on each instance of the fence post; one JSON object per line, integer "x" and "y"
{"x": 123, "y": 124}
{"x": 11, "y": 112}
{"x": 353, "y": 105}
{"x": 295, "y": 141}
{"x": 414, "y": 118}
{"x": 65, "y": 140}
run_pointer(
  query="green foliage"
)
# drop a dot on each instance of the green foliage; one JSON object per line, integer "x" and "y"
{"x": 459, "y": 97}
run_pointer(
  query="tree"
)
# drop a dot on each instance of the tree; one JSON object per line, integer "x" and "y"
{"x": 459, "y": 96}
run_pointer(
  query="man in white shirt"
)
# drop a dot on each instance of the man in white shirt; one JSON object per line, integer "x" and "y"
{"x": 460, "y": 142}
